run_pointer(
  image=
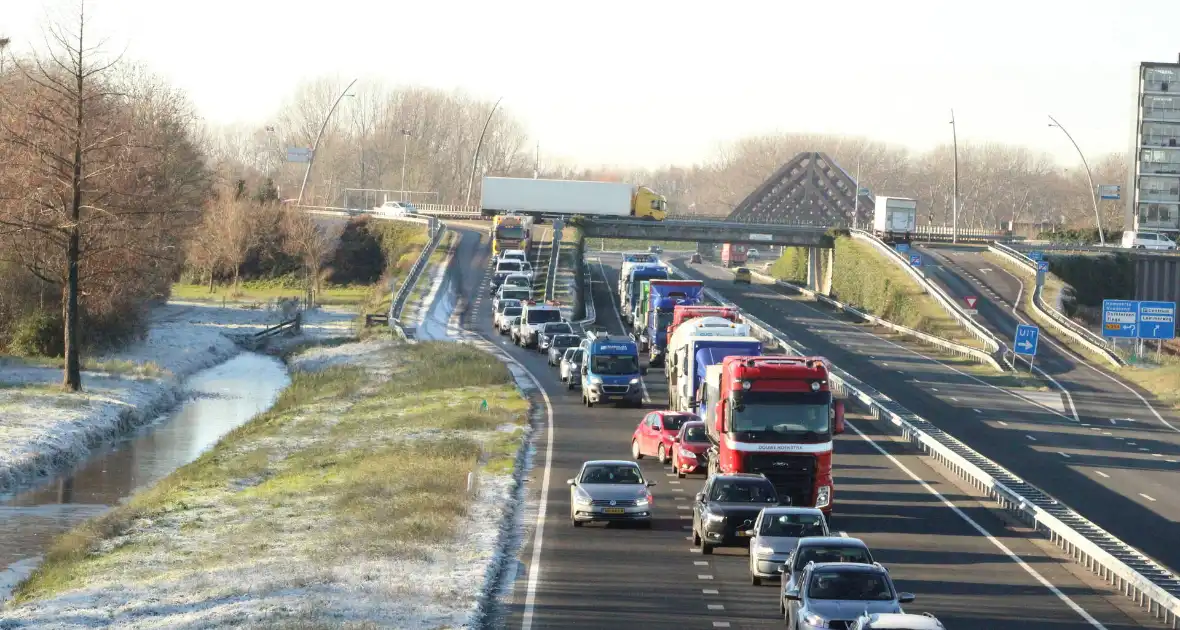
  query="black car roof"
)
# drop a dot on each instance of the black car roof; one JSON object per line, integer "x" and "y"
{"x": 848, "y": 567}
{"x": 740, "y": 476}
{"x": 831, "y": 541}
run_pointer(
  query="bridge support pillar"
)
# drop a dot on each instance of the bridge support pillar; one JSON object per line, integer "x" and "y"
{"x": 820, "y": 262}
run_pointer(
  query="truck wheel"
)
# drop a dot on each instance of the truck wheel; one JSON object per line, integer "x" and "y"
{"x": 635, "y": 452}
{"x": 569, "y": 384}
{"x": 755, "y": 580}
{"x": 576, "y": 523}
{"x": 589, "y": 403}
{"x": 696, "y": 540}
{"x": 679, "y": 474}
{"x": 706, "y": 549}
{"x": 662, "y": 454}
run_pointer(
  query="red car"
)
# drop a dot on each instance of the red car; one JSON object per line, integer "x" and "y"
{"x": 691, "y": 444}
{"x": 656, "y": 434}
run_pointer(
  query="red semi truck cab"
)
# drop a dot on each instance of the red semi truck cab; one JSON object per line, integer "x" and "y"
{"x": 774, "y": 415}
{"x": 733, "y": 254}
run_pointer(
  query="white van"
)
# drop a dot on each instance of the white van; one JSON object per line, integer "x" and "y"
{"x": 1147, "y": 240}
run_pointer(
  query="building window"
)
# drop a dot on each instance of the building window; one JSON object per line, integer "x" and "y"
{"x": 1161, "y": 108}
{"x": 1158, "y": 216}
{"x": 1160, "y": 80}
{"x": 1159, "y": 189}
{"x": 1161, "y": 135}
{"x": 1159, "y": 161}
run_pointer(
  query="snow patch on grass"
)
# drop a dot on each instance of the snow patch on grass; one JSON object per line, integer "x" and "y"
{"x": 348, "y": 503}
{"x": 44, "y": 429}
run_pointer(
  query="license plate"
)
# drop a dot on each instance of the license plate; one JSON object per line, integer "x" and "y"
{"x": 615, "y": 511}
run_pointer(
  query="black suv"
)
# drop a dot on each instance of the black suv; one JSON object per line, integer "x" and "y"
{"x": 727, "y": 507}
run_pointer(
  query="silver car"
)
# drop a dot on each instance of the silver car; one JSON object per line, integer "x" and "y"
{"x": 834, "y": 594}
{"x": 610, "y": 490}
{"x": 897, "y": 621}
{"x": 775, "y": 535}
{"x": 571, "y": 365}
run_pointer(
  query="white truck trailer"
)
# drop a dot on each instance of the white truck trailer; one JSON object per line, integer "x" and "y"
{"x": 567, "y": 197}
{"x": 895, "y": 219}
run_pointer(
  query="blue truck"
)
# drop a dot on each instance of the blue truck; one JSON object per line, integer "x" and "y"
{"x": 658, "y": 302}
{"x": 611, "y": 371}
{"x": 629, "y": 291}
{"x": 694, "y": 358}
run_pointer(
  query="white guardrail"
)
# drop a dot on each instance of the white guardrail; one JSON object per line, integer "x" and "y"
{"x": 1133, "y": 573}
{"x": 435, "y": 229}
{"x": 948, "y": 304}
{"x": 1057, "y": 319}
{"x": 946, "y": 344}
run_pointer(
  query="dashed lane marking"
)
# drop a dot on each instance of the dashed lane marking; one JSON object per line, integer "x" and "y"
{"x": 701, "y": 563}
{"x": 1149, "y": 498}
{"x": 1065, "y": 455}
{"x": 708, "y": 591}
{"x": 1031, "y": 438}
{"x": 720, "y": 624}
{"x": 715, "y": 606}
{"x": 1104, "y": 475}
{"x": 704, "y": 577}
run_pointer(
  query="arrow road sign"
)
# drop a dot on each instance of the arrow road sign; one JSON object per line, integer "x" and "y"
{"x": 1157, "y": 320}
{"x": 1026, "y": 340}
{"x": 1042, "y": 266}
{"x": 1120, "y": 318}
{"x": 916, "y": 260}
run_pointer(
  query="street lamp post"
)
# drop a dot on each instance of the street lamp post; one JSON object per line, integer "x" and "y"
{"x": 478, "y": 145}
{"x": 405, "y": 146}
{"x": 316, "y": 145}
{"x": 1089, "y": 177}
{"x": 955, "y": 199}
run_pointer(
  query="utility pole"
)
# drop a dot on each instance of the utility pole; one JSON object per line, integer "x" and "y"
{"x": 1089, "y": 177}
{"x": 478, "y": 146}
{"x": 537, "y": 162}
{"x": 955, "y": 200}
{"x": 856, "y": 196}
{"x": 316, "y": 145}
{"x": 405, "y": 146}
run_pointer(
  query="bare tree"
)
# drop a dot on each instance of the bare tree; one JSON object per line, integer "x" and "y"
{"x": 312, "y": 244}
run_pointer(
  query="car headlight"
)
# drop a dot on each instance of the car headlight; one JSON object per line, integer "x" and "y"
{"x": 813, "y": 619}
{"x": 643, "y": 502}
{"x": 823, "y": 498}
{"x": 687, "y": 454}
{"x": 596, "y": 380}
{"x": 764, "y": 551}
{"x": 635, "y": 381}
{"x": 581, "y": 498}
{"x": 716, "y": 518}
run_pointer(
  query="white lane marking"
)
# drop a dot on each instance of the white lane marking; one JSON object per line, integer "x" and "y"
{"x": 683, "y": 507}
{"x": 685, "y": 518}
{"x": 1156, "y": 455}
{"x": 978, "y": 411}
{"x": 715, "y": 606}
{"x": 665, "y": 474}
{"x": 933, "y": 389}
{"x": 704, "y": 577}
{"x": 983, "y": 532}
{"x": 1065, "y": 455}
{"x": 1147, "y": 497}
{"x": 708, "y": 591}
{"x": 1144, "y": 449}
{"x": 673, "y": 482}
{"x": 1031, "y": 438}
{"x": 1002, "y": 423}
{"x": 539, "y": 533}
{"x": 954, "y": 399}
{"x": 1102, "y": 474}
{"x": 680, "y": 498}
{"x": 677, "y": 489}
{"x": 701, "y": 563}
{"x": 686, "y": 527}
{"x": 948, "y": 367}
{"x": 720, "y": 624}
{"x": 619, "y": 318}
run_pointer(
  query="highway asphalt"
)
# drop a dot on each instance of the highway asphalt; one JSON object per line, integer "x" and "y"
{"x": 619, "y": 577}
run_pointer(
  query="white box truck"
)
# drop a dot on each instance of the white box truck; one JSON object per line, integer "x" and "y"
{"x": 567, "y": 197}
{"x": 895, "y": 218}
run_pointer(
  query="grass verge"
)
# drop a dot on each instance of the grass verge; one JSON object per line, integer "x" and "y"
{"x": 1158, "y": 379}
{"x": 259, "y": 291}
{"x": 353, "y": 464}
{"x": 121, "y": 367}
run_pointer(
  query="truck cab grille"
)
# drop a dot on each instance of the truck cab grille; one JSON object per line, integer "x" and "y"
{"x": 792, "y": 475}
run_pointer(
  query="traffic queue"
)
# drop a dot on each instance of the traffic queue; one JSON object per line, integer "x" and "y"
{"x": 758, "y": 427}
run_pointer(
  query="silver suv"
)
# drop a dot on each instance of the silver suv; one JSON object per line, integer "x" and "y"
{"x": 834, "y": 594}
{"x": 897, "y": 621}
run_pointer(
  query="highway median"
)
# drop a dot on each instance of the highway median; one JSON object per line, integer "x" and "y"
{"x": 372, "y": 491}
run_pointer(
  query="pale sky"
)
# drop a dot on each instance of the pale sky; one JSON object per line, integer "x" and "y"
{"x": 652, "y": 82}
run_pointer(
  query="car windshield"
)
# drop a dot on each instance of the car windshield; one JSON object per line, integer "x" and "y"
{"x": 612, "y": 473}
{"x": 566, "y": 341}
{"x": 664, "y": 319}
{"x": 742, "y": 491}
{"x": 614, "y": 364}
{"x": 516, "y": 294}
{"x": 784, "y": 413}
{"x": 506, "y": 304}
{"x": 510, "y": 232}
{"x": 513, "y": 311}
{"x": 508, "y": 265}
{"x": 856, "y": 555}
{"x": 695, "y": 434}
{"x": 673, "y": 422}
{"x": 641, "y": 258}
{"x": 517, "y": 281}
{"x": 559, "y": 328}
{"x": 573, "y": 355}
{"x": 849, "y": 585}
{"x": 792, "y": 525}
{"x": 542, "y": 316}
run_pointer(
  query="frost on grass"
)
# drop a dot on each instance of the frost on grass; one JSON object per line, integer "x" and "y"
{"x": 347, "y": 503}
{"x": 44, "y": 429}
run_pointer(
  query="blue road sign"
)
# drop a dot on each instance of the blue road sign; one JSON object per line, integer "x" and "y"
{"x": 1038, "y": 256}
{"x": 1042, "y": 265}
{"x": 1026, "y": 340}
{"x": 1120, "y": 318}
{"x": 915, "y": 260}
{"x": 903, "y": 247}
{"x": 1157, "y": 320}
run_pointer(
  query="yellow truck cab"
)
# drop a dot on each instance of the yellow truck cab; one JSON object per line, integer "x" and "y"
{"x": 648, "y": 204}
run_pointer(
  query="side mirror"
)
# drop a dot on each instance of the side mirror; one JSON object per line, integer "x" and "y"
{"x": 571, "y": 482}
{"x": 905, "y": 598}
{"x": 838, "y": 410}
{"x": 643, "y": 371}
{"x": 651, "y": 483}
{"x": 749, "y": 532}
{"x": 701, "y": 497}
{"x": 675, "y": 439}
{"x": 782, "y": 568}
{"x": 792, "y": 594}
{"x": 585, "y": 369}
